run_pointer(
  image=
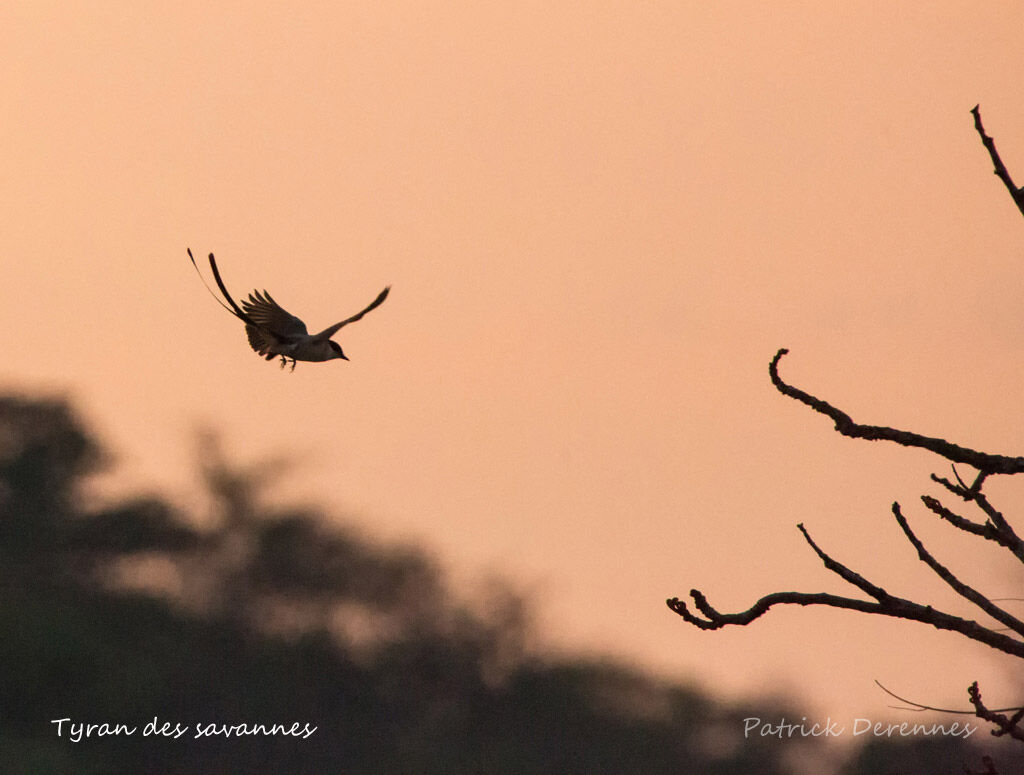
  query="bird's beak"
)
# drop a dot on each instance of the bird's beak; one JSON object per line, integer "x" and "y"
{"x": 344, "y": 357}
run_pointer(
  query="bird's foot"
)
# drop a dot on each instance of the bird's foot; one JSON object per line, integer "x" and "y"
{"x": 293, "y": 364}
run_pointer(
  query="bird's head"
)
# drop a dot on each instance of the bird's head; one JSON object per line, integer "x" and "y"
{"x": 336, "y": 350}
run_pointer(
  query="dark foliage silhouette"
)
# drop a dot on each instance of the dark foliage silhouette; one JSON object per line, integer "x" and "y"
{"x": 266, "y": 616}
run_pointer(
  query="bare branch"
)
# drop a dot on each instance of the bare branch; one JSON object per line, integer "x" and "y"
{"x": 1007, "y": 725}
{"x": 983, "y": 461}
{"x": 886, "y": 605}
{"x": 714, "y": 620}
{"x": 995, "y": 528}
{"x": 1000, "y": 168}
{"x": 895, "y": 607}
{"x": 958, "y": 586}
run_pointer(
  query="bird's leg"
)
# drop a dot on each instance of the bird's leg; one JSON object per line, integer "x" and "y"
{"x": 293, "y": 364}
{"x": 283, "y": 361}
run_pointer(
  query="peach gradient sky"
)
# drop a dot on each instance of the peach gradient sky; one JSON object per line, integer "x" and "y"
{"x": 600, "y": 221}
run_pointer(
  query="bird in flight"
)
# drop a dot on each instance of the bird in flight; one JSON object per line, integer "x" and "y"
{"x": 275, "y": 333}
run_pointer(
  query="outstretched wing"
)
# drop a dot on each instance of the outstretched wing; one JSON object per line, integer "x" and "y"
{"x": 268, "y": 314}
{"x": 327, "y": 333}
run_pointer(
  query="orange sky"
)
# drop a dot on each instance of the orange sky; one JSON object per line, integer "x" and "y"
{"x": 600, "y": 221}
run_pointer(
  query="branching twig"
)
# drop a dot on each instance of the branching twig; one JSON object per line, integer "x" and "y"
{"x": 886, "y": 605}
{"x": 1000, "y": 168}
{"x": 995, "y": 529}
{"x": 979, "y": 480}
{"x": 958, "y": 586}
{"x": 1006, "y": 725}
{"x": 996, "y": 518}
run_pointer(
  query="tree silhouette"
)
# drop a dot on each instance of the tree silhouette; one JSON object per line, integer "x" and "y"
{"x": 280, "y": 615}
{"x": 1005, "y": 631}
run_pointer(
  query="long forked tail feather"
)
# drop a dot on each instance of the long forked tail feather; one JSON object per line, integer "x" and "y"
{"x": 234, "y": 309}
{"x": 203, "y": 281}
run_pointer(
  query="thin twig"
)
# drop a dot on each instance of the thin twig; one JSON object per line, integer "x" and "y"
{"x": 845, "y": 573}
{"x": 956, "y": 473}
{"x": 1000, "y": 168}
{"x": 986, "y": 530}
{"x": 919, "y": 706}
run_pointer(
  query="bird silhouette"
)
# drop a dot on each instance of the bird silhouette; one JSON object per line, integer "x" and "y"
{"x": 275, "y": 333}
